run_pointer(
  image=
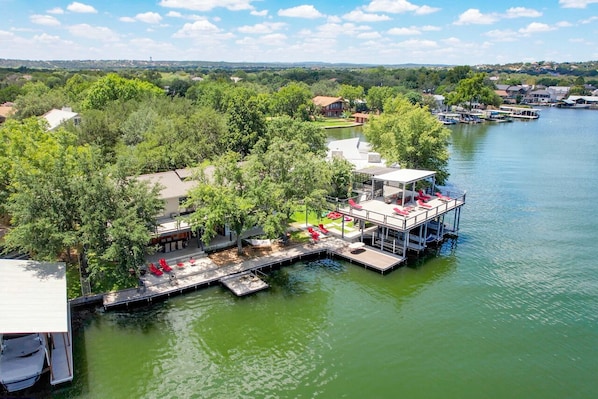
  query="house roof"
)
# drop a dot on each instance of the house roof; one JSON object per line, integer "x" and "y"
{"x": 324, "y": 101}
{"x": 405, "y": 176}
{"x": 33, "y": 297}
{"x": 173, "y": 184}
{"x": 501, "y": 93}
{"x": 6, "y": 111}
{"x": 56, "y": 117}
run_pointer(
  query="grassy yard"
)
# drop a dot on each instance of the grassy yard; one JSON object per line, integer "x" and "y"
{"x": 328, "y": 122}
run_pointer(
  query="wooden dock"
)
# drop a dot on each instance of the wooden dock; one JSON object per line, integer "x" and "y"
{"x": 245, "y": 283}
{"x": 204, "y": 272}
{"x": 370, "y": 258}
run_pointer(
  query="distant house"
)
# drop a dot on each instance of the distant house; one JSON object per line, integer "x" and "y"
{"x": 557, "y": 93}
{"x": 581, "y": 101}
{"x": 57, "y": 117}
{"x": 330, "y": 106}
{"x": 538, "y": 96}
{"x": 360, "y": 117}
{"x": 5, "y": 112}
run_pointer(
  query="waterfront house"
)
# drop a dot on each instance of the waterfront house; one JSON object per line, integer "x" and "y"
{"x": 330, "y": 106}
{"x": 57, "y": 117}
{"x": 581, "y": 102}
{"x": 558, "y": 93}
{"x": 540, "y": 96}
{"x": 361, "y": 117}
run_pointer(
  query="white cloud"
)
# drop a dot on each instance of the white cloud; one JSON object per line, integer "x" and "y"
{"x": 398, "y": 7}
{"x": 535, "y": 27}
{"x": 126, "y": 19}
{"x": 263, "y": 28}
{"x": 502, "y": 35}
{"x": 360, "y": 16}
{"x": 334, "y": 19}
{"x": 430, "y": 28}
{"x": 404, "y": 31}
{"x": 81, "y": 8}
{"x": 589, "y": 20}
{"x": 45, "y": 38}
{"x": 262, "y": 13}
{"x": 303, "y": 11}
{"x": 275, "y": 39}
{"x": 329, "y": 30}
{"x": 417, "y": 44}
{"x": 5, "y": 35}
{"x": 174, "y": 14}
{"x": 518, "y": 12}
{"x": 425, "y": 10}
{"x": 93, "y": 32}
{"x": 369, "y": 36}
{"x": 55, "y": 10}
{"x": 208, "y": 5}
{"x": 563, "y": 24}
{"x": 46, "y": 20}
{"x": 197, "y": 29}
{"x": 474, "y": 16}
{"x": 576, "y": 3}
{"x": 149, "y": 17}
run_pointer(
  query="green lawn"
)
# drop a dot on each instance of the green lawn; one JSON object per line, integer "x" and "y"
{"x": 328, "y": 122}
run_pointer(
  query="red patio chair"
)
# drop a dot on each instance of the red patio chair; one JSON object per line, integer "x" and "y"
{"x": 353, "y": 204}
{"x": 315, "y": 235}
{"x": 423, "y": 204}
{"x": 442, "y": 197}
{"x": 180, "y": 265}
{"x": 164, "y": 265}
{"x": 423, "y": 196}
{"x": 323, "y": 229}
{"x": 154, "y": 270}
{"x": 401, "y": 212}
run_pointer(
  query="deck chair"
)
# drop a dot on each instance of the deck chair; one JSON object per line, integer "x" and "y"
{"x": 323, "y": 229}
{"x": 443, "y": 197}
{"x": 354, "y": 205}
{"x": 401, "y": 212}
{"x": 164, "y": 265}
{"x": 423, "y": 196}
{"x": 422, "y": 204}
{"x": 154, "y": 270}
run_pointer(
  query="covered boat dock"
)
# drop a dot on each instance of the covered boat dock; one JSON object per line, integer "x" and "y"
{"x": 34, "y": 301}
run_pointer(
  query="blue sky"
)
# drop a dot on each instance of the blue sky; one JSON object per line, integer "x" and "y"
{"x": 355, "y": 31}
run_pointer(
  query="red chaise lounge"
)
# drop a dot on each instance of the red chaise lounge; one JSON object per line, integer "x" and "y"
{"x": 354, "y": 205}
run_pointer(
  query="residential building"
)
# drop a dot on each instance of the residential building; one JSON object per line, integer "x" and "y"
{"x": 57, "y": 117}
{"x": 330, "y": 106}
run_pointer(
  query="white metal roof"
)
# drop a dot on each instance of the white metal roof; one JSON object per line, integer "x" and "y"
{"x": 55, "y": 117}
{"x": 33, "y": 297}
{"x": 405, "y": 175}
{"x": 172, "y": 184}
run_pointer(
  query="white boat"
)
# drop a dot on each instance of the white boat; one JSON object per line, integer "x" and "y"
{"x": 448, "y": 118}
{"x": 522, "y": 112}
{"x": 22, "y": 360}
{"x": 498, "y": 116}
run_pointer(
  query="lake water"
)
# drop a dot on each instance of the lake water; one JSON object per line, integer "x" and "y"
{"x": 508, "y": 310}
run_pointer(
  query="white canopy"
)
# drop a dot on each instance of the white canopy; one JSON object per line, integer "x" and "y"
{"x": 32, "y": 297}
{"x": 405, "y": 176}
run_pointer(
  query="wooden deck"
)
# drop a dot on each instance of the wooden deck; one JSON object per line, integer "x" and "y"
{"x": 204, "y": 272}
{"x": 370, "y": 258}
{"x": 245, "y": 283}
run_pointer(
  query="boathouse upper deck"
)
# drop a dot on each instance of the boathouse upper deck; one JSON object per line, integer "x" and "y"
{"x": 391, "y": 198}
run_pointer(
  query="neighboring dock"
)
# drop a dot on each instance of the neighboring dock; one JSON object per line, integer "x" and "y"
{"x": 244, "y": 283}
{"x": 204, "y": 272}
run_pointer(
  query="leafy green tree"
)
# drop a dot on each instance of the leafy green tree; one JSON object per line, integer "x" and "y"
{"x": 292, "y": 100}
{"x": 9, "y": 93}
{"x": 471, "y": 90}
{"x": 245, "y": 121}
{"x": 325, "y": 88}
{"x": 289, "y": 129}
{"x": 37, "y": 99}
{"x": 222, "y": 197}
{"x": 351, "y": 93}
{"x": 378, "y": 95}
{"x": 410, "y": 136}
{"x": 341, "y": 180}
{"x": 114, "y": 87}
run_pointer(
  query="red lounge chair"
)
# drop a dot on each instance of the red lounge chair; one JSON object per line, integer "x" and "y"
{"x": 311, "y": 230}
{"x": 180, "y": 265}
{"x": 334, "y": 215}
{"x": 442, "y": 197}
{"x": 423, "y": 204}
{"x": 354, "y": 205}
{"x": 323, "y": 229}
{"x": 154, "y": 270}
{"x": 192, "y": 261}
{"x": 401, "y": 212}
{"x": 315, "y": 236}
{"x": 164, "y": 265}
{"x": 423, "y": 196}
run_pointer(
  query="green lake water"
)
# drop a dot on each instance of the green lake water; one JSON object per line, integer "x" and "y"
{"x": 508, "y": 310}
